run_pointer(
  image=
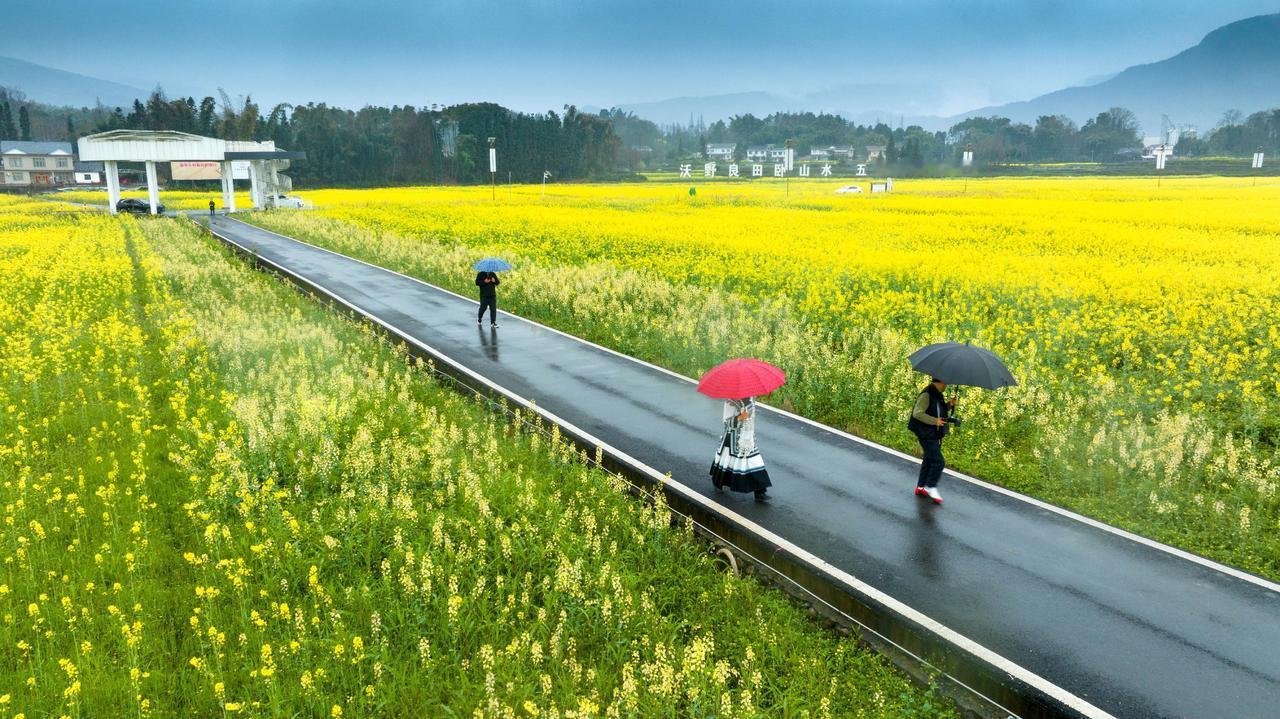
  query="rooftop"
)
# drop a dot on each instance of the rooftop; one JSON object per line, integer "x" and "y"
{"x": 30, "y": 147}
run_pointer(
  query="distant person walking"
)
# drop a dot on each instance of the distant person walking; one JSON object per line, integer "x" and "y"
{"x": 488, "y": 283}
{"x": 738, "y": 464}
{"x": 929, "y": 422}
{"x": 211, "y": 206}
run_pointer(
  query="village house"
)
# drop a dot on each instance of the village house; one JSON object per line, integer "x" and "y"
{"x": 843, "y": 152}
{"x": 763, "y": 153}
{"x": 36, "y": 164}
{"x": 721, "y": 151}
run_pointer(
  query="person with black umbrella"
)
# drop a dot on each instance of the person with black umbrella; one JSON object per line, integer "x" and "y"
{"x": 932, "y": 415}
{"x": 929, "y": 419}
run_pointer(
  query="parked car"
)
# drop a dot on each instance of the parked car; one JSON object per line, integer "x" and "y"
{"x": 291, "y": 202}
{"x": 849, "y": 189}
{"x": 134, "y": 206}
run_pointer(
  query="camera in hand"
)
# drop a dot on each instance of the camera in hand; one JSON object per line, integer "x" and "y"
{"x": 954, "y": 420}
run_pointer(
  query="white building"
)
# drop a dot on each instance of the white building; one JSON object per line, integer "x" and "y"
{"x": 88, "y": 173}
{"x": 767, "y": 153}
{"x": 36, "y": 164}
{"x": 843, "y": 152}
{"x": 721, "y": 151}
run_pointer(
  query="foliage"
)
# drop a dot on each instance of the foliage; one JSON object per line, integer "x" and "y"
{"x": 221, "y": 499}
{"x": 1140, "y": 320}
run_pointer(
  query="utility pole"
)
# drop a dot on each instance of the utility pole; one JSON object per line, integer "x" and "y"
{"x": 493, "y": 167}
{"x": 788, "y": 161}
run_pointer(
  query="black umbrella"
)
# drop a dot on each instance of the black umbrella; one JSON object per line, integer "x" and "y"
{"x": 962, "y": 364}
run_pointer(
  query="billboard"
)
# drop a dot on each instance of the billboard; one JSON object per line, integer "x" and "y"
{"x": 187, "y": 170}
{"x": 190, "y": 170}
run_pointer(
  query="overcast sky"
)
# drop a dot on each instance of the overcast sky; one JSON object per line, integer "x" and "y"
{"x": 542, "y": 54}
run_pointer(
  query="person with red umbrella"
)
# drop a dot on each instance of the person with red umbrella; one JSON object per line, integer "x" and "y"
{"x": 738, "y": 464}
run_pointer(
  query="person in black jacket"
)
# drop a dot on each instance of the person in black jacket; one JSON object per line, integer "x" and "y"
{"x": 929, "y": 419}
{"x": 488, "y": 283}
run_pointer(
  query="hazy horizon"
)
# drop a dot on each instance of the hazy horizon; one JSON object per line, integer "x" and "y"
{"x": 536, "y": 56}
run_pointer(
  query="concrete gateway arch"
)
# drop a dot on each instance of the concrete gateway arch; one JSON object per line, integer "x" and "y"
{"x": 152, "y": 146}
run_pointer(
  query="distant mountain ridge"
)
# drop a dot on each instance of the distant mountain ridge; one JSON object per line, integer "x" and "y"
{"x": 1235, "y": 67}
{"x": 912, "y": 102}
{"x": 58, "y": 87}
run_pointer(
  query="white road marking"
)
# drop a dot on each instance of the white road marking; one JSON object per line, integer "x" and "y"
{"x": 990, "y": 657}
{"x": 1145, "y": 541}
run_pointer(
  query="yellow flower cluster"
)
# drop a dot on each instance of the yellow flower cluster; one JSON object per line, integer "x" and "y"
{"x": 1140, "y": 319}
{"x": 171, "y": 199}
{"x": 221, "y": 499}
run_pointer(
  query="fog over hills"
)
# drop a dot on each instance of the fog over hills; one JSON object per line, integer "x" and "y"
{"x": 59, "y": 87}
{"x": 1236, "y": 66}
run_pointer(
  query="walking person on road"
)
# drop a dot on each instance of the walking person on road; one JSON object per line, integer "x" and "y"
{"x": 211, "y": 206}
{"x": 947, "y": 363}
{"x": 738, "y": 465}
{"x": 487, "y": 280}
{"x": 929, "y": 422}
{"x": 488, "y": 283}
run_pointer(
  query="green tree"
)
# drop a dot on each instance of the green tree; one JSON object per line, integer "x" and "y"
{"x": 24, "y": 123}
{"x": 7, "y": 128}
{"x": 1054, "y": 139}
{"x": 207, "y": 117}
{"x": 1112, "y": 131}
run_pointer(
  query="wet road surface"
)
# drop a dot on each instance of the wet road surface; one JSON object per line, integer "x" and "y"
{"x": 1133, "y": 629}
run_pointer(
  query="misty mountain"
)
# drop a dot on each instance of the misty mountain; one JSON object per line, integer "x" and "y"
{"x": 1236, "y": 67}
{"x": 857, "y": 102}
{"x": 59, "y": 87}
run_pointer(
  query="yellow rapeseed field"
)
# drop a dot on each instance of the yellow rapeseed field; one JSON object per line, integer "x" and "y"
{"x": 220, "y": 499}
{"x": 171, "y": 199}
{"x": 1140, "y": 319}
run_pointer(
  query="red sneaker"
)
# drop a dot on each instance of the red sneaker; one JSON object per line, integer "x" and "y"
{"x": 920, "y": 492}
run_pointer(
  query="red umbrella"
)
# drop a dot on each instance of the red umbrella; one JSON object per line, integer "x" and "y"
{"x": 741, "y": 378}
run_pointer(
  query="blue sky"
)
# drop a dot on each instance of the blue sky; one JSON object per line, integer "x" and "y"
{"x": 541, "y": 54}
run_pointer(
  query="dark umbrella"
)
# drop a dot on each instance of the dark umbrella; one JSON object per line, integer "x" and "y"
{"x": 962, "y": 364}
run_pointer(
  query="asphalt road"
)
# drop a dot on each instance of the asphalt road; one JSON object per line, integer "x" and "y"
{"x": 1130, "y": 627}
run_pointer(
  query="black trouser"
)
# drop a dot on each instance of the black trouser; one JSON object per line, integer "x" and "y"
{"x": 931, "y": 468}
{"x": 491, "y": 304}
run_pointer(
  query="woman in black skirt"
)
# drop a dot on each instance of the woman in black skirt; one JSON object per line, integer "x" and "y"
{"x": 738, "y": 465}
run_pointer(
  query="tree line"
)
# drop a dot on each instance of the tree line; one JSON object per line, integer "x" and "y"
{"x": 374, "y": 145}
{"x": 379, "y": 145}
{"x": 1113, "y": 135}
